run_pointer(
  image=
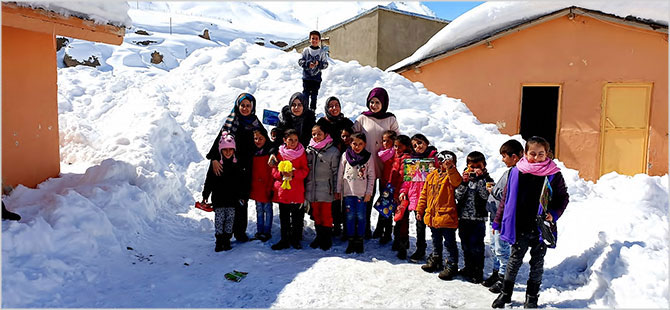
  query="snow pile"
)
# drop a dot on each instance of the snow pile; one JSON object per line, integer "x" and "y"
{"x": 101, "y": 12}
{"x": 492, "y": 16}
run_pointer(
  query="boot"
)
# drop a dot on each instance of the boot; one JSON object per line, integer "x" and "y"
{"x": 281, "y": 245}
{"x": 317, "y": 240}
{"x": 337, "y": 230}
{"x": 505, "y": 296}
{"x": 226, "y": 241}
{"x": 351, "y": 246}
{"x": 326, "y": 238}
{"x": 386, "y": 236}
{"x": 241, "y": 237}
{"x": 476, "y": 276}
{"x": 491, "y": 280}
{"x": 419, "y": 254}
{"x": 449, "y": 271}
{"x": 219, "y": 243}
{"x": 532, "y": 294}
{"x": 434, "y": 263}
{"x": 359, "y": 245}
{"x": 378, "y": 232}
{"x": 296, "y": 243}
{"x": 403, "y": 245}
{"x": 394, "y": 245}
{"x": 496, "y": 287}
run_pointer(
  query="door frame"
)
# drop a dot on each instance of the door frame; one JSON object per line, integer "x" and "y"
{"x": 558, "y": 108}
{"x": 603, "y": 102}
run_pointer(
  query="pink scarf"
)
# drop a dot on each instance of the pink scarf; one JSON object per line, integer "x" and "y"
{"x": 291, "y": 154}
{"x": 320, "y": 145}
{"x": 386, "y": 154}
{"x": 545, "y": 168}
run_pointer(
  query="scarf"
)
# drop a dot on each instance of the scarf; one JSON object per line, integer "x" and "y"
{"x": 291, "y": 154}
{"x": 383, "y": 96}
{"x": 322, "y": 144}
{"x": 357, "y": 159}
{"x": 425, "y": 153}
{"x": 235, "y": 119}
{"x": 545, "y": 168}
{"x": 386, "y": 154}
{"x": 330, "y": 117}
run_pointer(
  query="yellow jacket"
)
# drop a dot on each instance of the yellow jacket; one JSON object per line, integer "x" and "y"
{"x": 437, "y": 203}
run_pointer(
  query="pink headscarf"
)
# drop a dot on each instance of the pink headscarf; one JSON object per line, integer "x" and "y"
{"x": 545, "y": 168}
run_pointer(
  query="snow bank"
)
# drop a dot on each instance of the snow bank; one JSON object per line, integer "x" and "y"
{"x": 101, "y": 12}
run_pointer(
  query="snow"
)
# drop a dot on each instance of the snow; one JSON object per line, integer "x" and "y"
{"x": 101, "y": 12}
{"x": 492, "y": 16}
{"x": 118, "y": 228}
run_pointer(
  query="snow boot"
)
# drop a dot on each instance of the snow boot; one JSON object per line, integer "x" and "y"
{"x": 433, "y": 263}
{"x": 378, "y": 232}
{"x": 359, "y": 245}
{"x": 295, "y": 243}
{"x": 505, "y": 296}
{"x": 326, "y": 238}
{"x": 317, "y": 240}
{"x": 419, "y": 254}
{"x": 337, "y": 230}
{"x": 449, "y": 271}
{"x": 281, "y": 245}
{"x": 351, "y": 247}
{"x": 532, "y": 294}
{"x": 8, "y": 215}
{"x": 491, "y": 280}
{"x": 219, "y": 243}
{"x": 476, "y": 276}
{"x": 226, "y": 241}
{"x": 394, "y": 245}
{"x": 496, "y": 288}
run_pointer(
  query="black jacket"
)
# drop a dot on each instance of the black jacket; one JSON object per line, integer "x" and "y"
{"x": 226, "y": 189}
{"x": 303, "y": 124}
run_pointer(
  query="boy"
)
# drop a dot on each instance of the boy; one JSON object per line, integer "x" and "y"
{"x": 511, "y": 152}
{"x": 313, "y": 60}
{"x": 471, "y": 196}
{"x": 437, "y": 209}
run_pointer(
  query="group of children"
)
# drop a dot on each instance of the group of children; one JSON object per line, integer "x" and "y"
{"x": 332, "y": 168}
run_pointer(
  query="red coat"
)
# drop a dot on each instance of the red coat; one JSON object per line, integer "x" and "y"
{"x": 261, "y": 179}
{"x": 396, "y": 172}
{"x": 297, "y": 192}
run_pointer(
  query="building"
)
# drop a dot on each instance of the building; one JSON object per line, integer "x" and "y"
{"x": 30, "y": 141}
{"x": 591, "y": 82}
{"x": 378, "y": 37}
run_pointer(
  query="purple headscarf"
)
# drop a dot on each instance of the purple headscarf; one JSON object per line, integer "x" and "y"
{"x": 383, "y": 96}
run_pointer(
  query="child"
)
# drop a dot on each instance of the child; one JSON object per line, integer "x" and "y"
{"x": 402, "y": 147}
{"x": 226, "y": 192}
{"x": 313, "y": 60}
{"x": 356, "y": 178}
{"x": 291, "y": 214}
{"x": 519, "y": 221}
{"x": 511, "y": 152}
{"x": 386, "y": 155}
{"x": 437, "y": 209}
{"x": 411, "y": 190}
{"x": 471, "y": 196}
{"x": 261, "y": 186}
{"x": 338, "y": 212}
{"x": 323, "y": 159}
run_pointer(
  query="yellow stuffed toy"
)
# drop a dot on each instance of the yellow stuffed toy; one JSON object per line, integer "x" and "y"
{"x": 285, "y": 166}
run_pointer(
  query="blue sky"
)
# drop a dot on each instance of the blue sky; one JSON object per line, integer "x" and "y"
{"x": 450, "y": 9}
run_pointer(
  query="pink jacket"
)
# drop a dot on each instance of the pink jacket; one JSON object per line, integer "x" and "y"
{"x": 413, "y": 189}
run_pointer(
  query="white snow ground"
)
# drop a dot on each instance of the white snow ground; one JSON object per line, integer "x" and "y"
{"x": 118, "y": 229}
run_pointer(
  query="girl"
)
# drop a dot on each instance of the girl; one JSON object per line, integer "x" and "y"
{"x": 373, "y": 123}
{"x": 261, "y": 188}
{"x": 336, "y": 121}
{"x": 225, "y": 189}
{"x": 338, "y": 214}
{"x": 411, "y": 190}
{"x": 386, "y": 155}
{"x": 323, "y": 159}
{"x": 519, "y": 223}
{"x": 402, "y": 147}
{"x": 290, "y": 212}
{"x": 356, "y": 177}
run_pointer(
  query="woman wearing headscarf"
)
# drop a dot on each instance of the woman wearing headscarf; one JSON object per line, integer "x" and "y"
{"x": 374, "y": 122}
{"x": 241, "y": 123}
{"x": 297, "y": 115}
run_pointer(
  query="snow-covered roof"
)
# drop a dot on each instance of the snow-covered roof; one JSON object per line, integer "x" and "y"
{"x": 379, "y": 7}
{"x": 493, "y": 17}
{"x": 100, "y": 12}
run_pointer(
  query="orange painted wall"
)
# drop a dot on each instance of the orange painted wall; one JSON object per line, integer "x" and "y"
{"x": 30, "y": 149}
{"x": 582, "y": 55}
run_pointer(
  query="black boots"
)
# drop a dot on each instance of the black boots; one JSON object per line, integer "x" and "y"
{"x": 419, "y": 254}
{"x": 403, "y": 245}
{"x": 317, "y": 240}
{"x": 449, "y": 271}
{"x": 326, "y": 238}
{"x": 532, "y": 294}
{"x": 222, "y": 242}
{"x": 491, "y": 280}
{"x": 433, "y": 264}
{"x": 505, "y": 296}
{"x": 219, "y": 243}
{"x": 497, "y": 287}
{"x": 8, "y": 215}
{"x": 355, "y": 245}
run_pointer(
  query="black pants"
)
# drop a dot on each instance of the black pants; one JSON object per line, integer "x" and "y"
{"x": 472, "y": 233}
{"x": 291, "y": 219}
{"x": 336, "y": 211}
{"x": 420, "y": 232}
{"x": 518, "y": 250}
{"x": 310, "y": 89}
{"x": 240, "y": 221}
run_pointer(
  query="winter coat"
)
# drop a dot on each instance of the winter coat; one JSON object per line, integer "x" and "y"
{"x": 496, "y": 195}
{"x": 310, "y": 55}
{"x": 374, "y": 128}
{"x": 437, "y": 203}
{"x": 261, "y": 179}
{"x": 413, "y": 189}
{"x": 471, "y": 197}
{"x": 244, "y": 150}
{"x": 297, "y": 192}
{"x": 396, "y": 172}
{"x": 557, "y": 204}
{"x": 303, "y": 123}
{"x": 226, "y": 189}
{"x": 322, "y": 178}
{"x": 355, "y": 181}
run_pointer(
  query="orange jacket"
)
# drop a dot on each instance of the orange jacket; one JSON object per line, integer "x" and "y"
{"x": 437, "y": 203}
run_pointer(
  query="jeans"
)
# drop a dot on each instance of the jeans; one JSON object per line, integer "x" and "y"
{"x": 355, "y": 210}
{"x": 449, "y": 235}
{"x": 264, "y": 217}
{"x": 537, "y": 251}
{"x": 501, "y": 250}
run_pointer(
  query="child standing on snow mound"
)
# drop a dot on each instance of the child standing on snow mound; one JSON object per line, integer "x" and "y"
{"x": 313, "y": 60}
{"x": 225, "y": 189}
{"x": 323, "y": 159}
{"x": 511, "y": 152}
{"x": 356, "y": 179}
{"x": 534, "y": 176}
{"x": 437, "y": 209}
{"x": 261, "y": 185}
{"x": 471, "y": 196}
{"x": 289, "y": 190}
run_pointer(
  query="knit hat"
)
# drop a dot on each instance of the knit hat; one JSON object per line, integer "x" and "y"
{"x": 227, "y": 141}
